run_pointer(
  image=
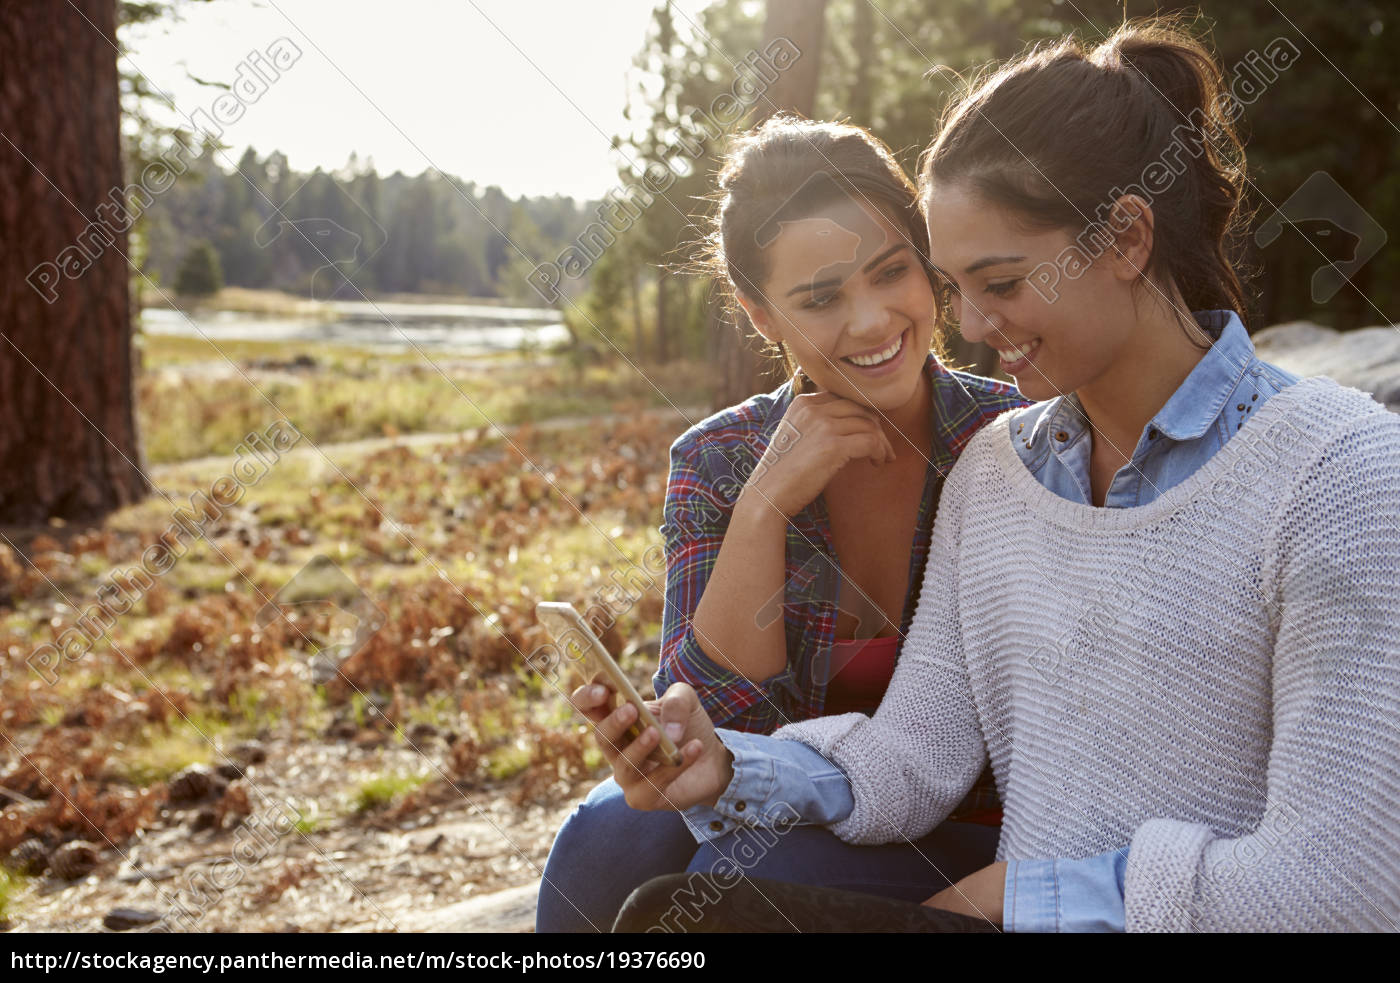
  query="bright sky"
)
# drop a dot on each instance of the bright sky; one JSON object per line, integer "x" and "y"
{"x": 419, "y": 83}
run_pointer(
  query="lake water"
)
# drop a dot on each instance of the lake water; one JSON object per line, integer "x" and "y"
{"x": 467, "y": 329}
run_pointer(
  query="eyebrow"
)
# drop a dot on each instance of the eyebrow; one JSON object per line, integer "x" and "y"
{"x": 986, "y": 261}
{"x": 835, "y": 282}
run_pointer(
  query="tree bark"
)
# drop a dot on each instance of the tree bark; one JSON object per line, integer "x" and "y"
{"x": 662, "y": 317}
{"x": 68, "y": 443}
{"x": 861, "y": 101}
{"x": 744, "y": 371}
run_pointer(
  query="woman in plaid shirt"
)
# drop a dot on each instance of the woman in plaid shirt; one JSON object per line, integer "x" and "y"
{"x": 796, "y": 523}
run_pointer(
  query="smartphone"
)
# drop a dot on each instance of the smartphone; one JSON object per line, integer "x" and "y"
{"x": 586, "y": 652}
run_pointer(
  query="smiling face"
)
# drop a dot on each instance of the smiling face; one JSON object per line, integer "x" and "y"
{"x": 1051, "y": 341}
{"x": 847, "y": 295}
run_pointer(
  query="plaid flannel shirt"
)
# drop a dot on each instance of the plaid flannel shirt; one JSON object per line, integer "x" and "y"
{"x": 710, "y": 463}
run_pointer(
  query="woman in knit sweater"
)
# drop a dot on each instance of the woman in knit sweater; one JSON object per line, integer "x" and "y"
{"x": 1169, "y": 594}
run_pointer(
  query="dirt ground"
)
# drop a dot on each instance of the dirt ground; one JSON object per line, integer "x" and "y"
{"x": 370, "y": 872}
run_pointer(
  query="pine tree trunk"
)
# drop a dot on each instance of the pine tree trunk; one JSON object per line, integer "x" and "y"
{"x": 743, "y": 369}
{"x": 861, "y": 100}
{"x": 663, "y": 320}
{"x": 638, "y": 334}
{"x": 68, "y": 441}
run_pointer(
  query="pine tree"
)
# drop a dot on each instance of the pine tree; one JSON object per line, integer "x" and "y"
{"x": 199, "y": 274}
{"x": 70, "y": 447}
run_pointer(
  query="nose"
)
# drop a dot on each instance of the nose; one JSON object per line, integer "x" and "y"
{"x": 978, "y": 323}
{"x": 871, "y": 321}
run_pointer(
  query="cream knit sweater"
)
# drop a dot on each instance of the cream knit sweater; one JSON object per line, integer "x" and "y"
{"x": 1213, "y": 677}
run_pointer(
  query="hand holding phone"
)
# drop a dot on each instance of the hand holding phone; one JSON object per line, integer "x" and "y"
{"x": 705, "y": 773}
{"x": 632, "y": 733}
{"x": 595, "y": 666}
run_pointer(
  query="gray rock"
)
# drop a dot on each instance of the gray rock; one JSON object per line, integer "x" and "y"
{"x": 145, "y": 874}
{"x": 505, "y": 911}
{"x": 1367, "y": 359}
{"x": 125, "y": 919}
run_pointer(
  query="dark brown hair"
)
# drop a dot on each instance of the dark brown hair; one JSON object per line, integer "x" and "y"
{"x": 1058, "y": 134}
{"x": 790, "y": 168}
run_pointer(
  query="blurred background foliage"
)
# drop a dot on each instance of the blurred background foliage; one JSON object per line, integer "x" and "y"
{"x": 1329, "y": 112}
{"x": 1332, "y": 111}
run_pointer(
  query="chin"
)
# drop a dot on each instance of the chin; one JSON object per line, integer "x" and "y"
{"x": 894, "y": 393}
{"x": 1036, "y": 387}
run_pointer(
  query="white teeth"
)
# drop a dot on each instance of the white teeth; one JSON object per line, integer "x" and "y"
{"x": 878, "y": 357}
{"x": 1016, "y": 354}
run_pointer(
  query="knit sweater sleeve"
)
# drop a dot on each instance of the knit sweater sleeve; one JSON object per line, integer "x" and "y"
{"x": 912, "y": 762}
{"x": 1324, "y": 854}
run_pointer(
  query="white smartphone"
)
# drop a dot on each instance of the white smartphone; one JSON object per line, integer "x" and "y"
{"x": 578, "y": 645}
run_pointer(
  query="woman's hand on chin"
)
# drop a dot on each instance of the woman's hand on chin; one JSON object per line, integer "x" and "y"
{"x": 820, "y": 434}
{"x": 648, "y": 785}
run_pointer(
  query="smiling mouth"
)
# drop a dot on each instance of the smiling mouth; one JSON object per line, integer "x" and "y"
{"x": 1019, "y": 353}
{"x": 880, "y": 357}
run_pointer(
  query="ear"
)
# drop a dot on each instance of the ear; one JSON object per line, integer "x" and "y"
{"x": 762, "y": 320}
{"x": 1131, "y": 221}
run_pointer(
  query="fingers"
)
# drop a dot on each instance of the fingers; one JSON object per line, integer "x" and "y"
{"x": 864, "y": 420}
{"x": 677, "y": 708}
{"x": 593, "y": 700}
{"x": 612, "y": 732}
{"x": 631, "y": 763}
{"x": 864, "y": 443}
{"x": 833, "y": 405}
{"x": 647, "y": 784}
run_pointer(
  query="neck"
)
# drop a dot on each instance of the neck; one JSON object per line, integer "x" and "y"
{"x": 910, "y": 427}
{"x": 1121, "y": 401}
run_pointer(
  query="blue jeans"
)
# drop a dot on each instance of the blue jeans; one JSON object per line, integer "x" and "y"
{"x": 605, "y": 850}
{"x": 814, "y": 855}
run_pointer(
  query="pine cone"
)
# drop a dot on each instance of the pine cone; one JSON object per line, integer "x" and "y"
{"x": 248, "y": 753}
{"x": 229, "y": 771}
{"x": 194, "y": 783}
{"x": 73, "y": 860}
{"x": 31, "y": 857}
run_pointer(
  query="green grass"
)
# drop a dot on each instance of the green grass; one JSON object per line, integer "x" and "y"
{"x": 310, "y": 820}
{"x": 382, "y": 790}
{"x": 159, "y": 752}
{"x": 355, "y": 394}
{"x": 10, "y": 885}
{"x": 509, "y": 761}
{"x": 437, "y": 709}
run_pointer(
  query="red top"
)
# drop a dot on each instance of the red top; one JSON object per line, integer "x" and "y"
{"x": 861, "y": 672}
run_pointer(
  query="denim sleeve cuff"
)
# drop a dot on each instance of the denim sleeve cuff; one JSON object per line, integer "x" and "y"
{"x": 1066, "y": 895}
{"x": 1030, "y": 903}
{"x": 776, "y": 784}
{"x": 752, "y": 782}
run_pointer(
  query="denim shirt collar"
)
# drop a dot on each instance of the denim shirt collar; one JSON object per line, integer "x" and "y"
{"x": 1198, "y": 401}
{"x": 1189, "y": 413}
